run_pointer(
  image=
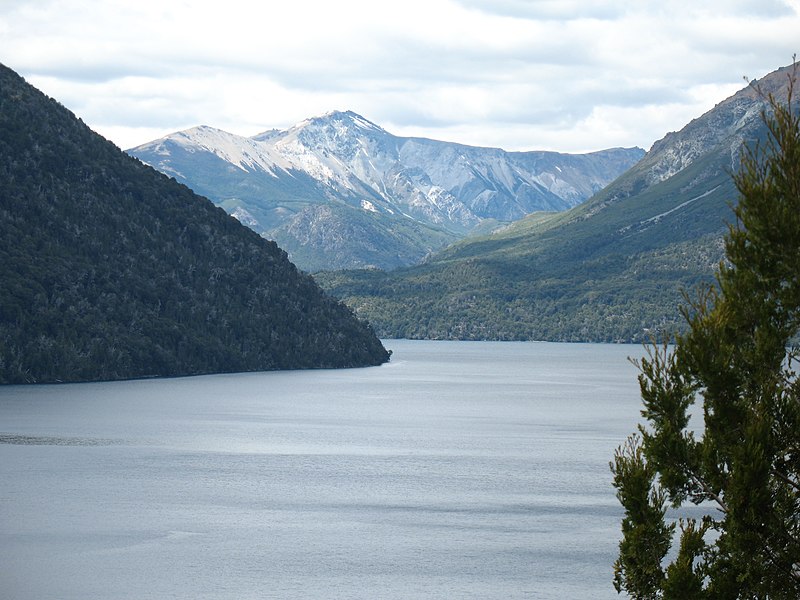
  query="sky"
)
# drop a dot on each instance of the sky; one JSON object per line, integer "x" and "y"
{"x": 561, "y": 75}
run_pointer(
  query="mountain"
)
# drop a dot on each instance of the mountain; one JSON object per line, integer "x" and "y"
{"x": 338, "y": 191}
{"x": 610, "y": 269}
{"x": 111, "y": 270}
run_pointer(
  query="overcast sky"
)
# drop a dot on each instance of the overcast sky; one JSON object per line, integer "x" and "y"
{"x": 565, "y": 75}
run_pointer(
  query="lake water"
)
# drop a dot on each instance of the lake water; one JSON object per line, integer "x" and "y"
{"x": 458, "y": 470}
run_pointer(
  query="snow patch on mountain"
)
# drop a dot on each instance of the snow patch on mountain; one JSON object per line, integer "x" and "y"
{"x": 244, "y": 153}
{"x": 244, "y": 217}
{"x": 369, "y": 206}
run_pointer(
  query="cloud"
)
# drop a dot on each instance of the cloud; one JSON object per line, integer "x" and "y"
{"x": 518, "y": 74}
{"x": 548, "y": 9}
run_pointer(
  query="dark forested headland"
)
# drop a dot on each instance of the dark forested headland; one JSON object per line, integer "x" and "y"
{"x": 111, "y": 270}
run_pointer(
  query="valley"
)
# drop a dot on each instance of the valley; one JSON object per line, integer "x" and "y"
{"x": 419, "y": 238}
{"x": 612, "y": 269}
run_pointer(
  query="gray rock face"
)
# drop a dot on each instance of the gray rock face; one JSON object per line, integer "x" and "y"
{"x": 721, "y": 130}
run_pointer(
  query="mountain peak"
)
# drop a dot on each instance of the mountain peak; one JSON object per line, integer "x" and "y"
{"x": 724, "y": 128}
{"x": 436, "y": 191}
{"x": 346, "y": 119}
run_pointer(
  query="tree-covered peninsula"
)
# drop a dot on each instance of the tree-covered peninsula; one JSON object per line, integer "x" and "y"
{"x": 111, "y": 270}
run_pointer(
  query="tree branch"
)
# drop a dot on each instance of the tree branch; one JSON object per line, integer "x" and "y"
{"x": 709, "y": 492}
{"x": 786, "y": 480}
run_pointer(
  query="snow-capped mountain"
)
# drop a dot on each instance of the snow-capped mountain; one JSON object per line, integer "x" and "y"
{"x": 405, "y": 196}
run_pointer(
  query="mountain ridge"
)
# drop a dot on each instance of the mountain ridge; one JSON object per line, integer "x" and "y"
{"x": 430, "y": 191}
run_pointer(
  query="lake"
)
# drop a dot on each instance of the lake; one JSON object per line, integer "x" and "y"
{"x": 457, "y": 470}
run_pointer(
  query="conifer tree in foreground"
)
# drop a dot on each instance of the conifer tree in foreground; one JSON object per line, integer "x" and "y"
{"x": 738, "y": 361}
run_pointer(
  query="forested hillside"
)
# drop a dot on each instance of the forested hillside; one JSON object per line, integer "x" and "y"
{"x": 110, "y": 270}
{"x": 611, "y": 269}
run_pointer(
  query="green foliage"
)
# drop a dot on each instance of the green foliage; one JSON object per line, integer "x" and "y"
{"x": 736, "y": 360}
{"x": 532, "y": 291}
{"x": 646, "y": 536}
{"x": 110, "y": 270}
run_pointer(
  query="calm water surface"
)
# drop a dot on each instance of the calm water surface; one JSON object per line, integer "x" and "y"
{"x": 458, "y": 470}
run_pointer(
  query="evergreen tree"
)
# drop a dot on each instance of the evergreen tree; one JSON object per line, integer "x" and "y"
{"x": 738, "y": 360}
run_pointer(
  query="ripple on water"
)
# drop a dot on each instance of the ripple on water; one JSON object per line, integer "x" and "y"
{"x": 45, "y": 440}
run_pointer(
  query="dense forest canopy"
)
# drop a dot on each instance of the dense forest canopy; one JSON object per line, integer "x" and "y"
{"x": 110, "y": 270}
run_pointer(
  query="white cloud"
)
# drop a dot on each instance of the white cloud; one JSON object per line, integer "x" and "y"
{"x": 518, "y": 74}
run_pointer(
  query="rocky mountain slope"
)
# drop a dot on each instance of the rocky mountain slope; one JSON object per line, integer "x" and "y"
{"x": 338, "y": 191}
{"x": 110, "y": 270}
{"x": 610, "y": 269}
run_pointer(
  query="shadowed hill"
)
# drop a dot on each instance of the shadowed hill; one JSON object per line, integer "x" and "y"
{"x": 111, "y": 270}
